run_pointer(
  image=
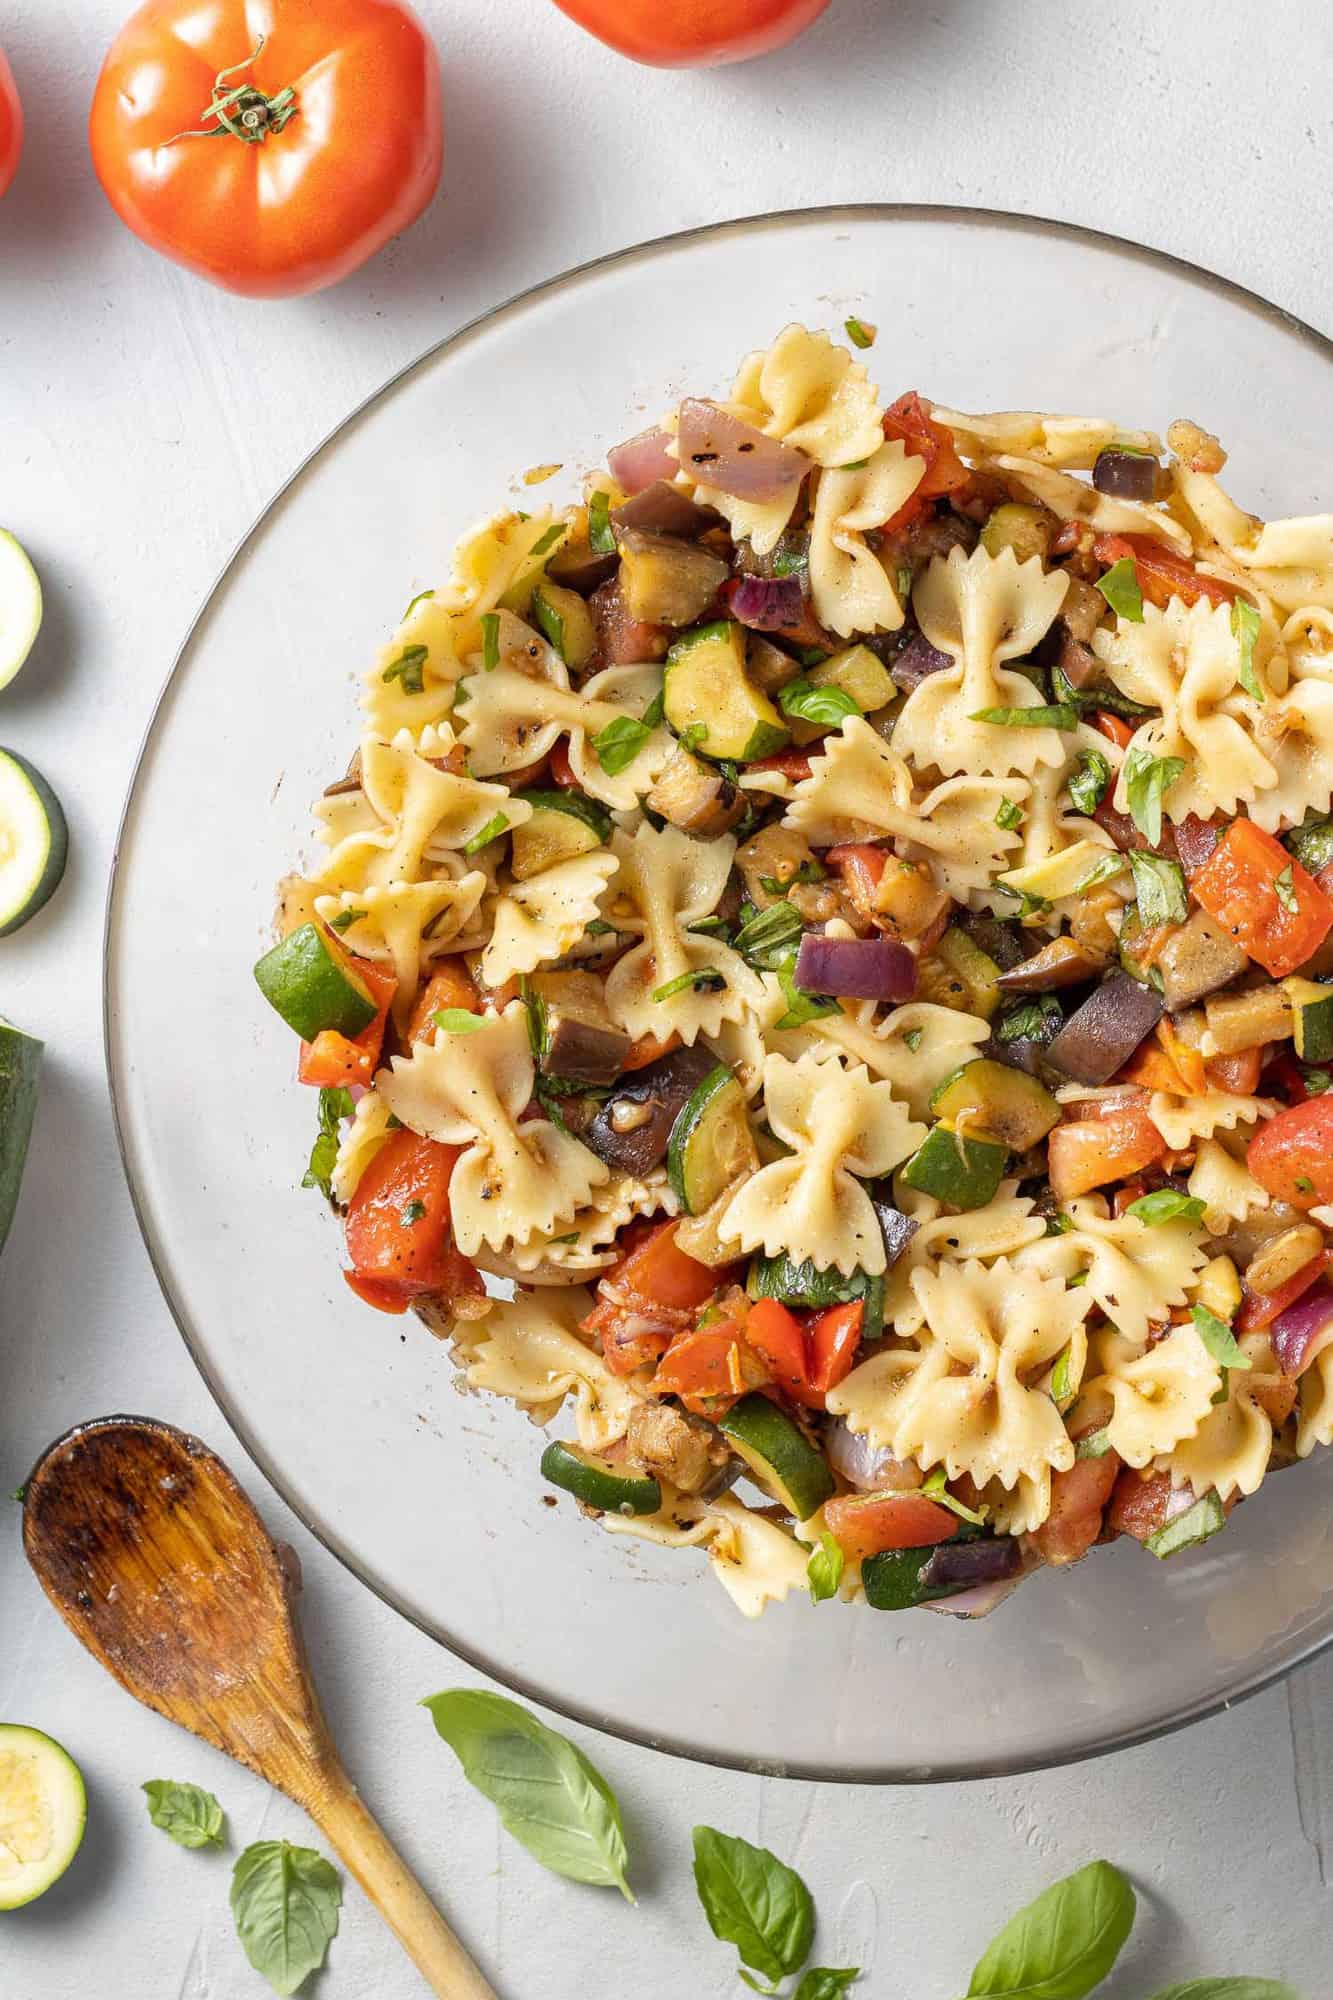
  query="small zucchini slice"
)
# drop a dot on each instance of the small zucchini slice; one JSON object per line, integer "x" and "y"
{"x": 892, "y": 1580}
{"x": 20, "y": 607}
{"x": 309, "y": 981}
{"x": 780, "y": 1456}
{"x": 1025, "y": 530}
{"x": 611, "y": 1489}
{"x": 706, "y": 688}
{"x": 858, "y": 673}
{"x": 20, "y": 1067}
{"x": 43, "y": 1809}
{"x": 563, "y": 824}
{"x": 1312, "y": 1016}
{"x": 1006, "y": 1103}
{"x": 809, "y": 1284}
{"x": 34, "y": 841}
{"x": 962, "y": 1169}
{"x": 959, "y": 974}
{"x": 562, "y": 617}
{"x": 711, "y": 1144}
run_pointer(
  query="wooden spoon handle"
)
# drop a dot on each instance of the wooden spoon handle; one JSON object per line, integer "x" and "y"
{"x": 391, "y": 1886}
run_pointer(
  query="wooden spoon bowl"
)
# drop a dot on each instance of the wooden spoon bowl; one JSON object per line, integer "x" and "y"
{"x": 156, "y": 1560}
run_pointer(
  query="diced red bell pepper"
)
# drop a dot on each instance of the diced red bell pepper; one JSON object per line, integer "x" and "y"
{"x": 450, "y": 985}
{"x": 1086, "y": 1153}
{"x": 778, "y": 1337}
{"x": 834, "y": 1336}
{"x": 1161, "y": 574}
{"x": 332, "y": 1059}
{"x": 630, "y": 1340}
{"x": 709, "y": 1368}
{"x": 398, "y": 1219}
{"x": 1238, "y": 886}
{"x": 1260, "y": 1309}
{"x": 910, "y": 420}
{"x": 562, "y": 771}
{"x": 865, "y": 1524}
{"x": 861, "y": 866}
{"x": 792, "y": 764}
{"x": 1113, "y": 727}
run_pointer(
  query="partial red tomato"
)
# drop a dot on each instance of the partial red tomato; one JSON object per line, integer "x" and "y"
{"x": 270, "y": 145}
{"x": 398, "y": 1219}
{"x": 1161, "y": 574}
{"x": 1276, "y": 912}
{"x": 1292, "y": 1155}
{"x": 1086, "y": 1153}
{"x": 693, "y": 34}
{"x": 11, "y": 124}
{"x": 865, "y": 1524}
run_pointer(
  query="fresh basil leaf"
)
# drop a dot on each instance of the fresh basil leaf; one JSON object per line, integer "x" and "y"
{"x": 754, "y": 1901}
{"x": 914, "y": 1038}
{"x": 494, "y": 827}
{"x": 801, "y": 1006}
{"x": 620, "y": 743}
{"x": 547, "y": 1793}
{"x": 1028, "y": 905}
{"x": 1245, "y": 624}
{"x": 768, "y": 936}
{"x": 694, "y": 734}
{"x": 1218, "y": 1338}
{"x": 1316, "y": 1081}
{"x": 490, "y": 641}
{"x": 824, "y": 1570}
{"x": 412, "y": 1211}
{"x": 1166, "y": 1205}
{"x": 334, "y": 1105}
{"x": 1009, "y": 816}
{"x": 420, "y": 598}
{"x": 1038, "y": 1020}
{"x": 812, "y": 656}
{"x": 935, "y": 1488}
{"x": 1205, "y": 1518}
{"x": 1312, "y": 844}
{"x": 810, "y": 702}
{"x": 458, "y": 1021}
{"x": 1147, "y": 780}
{"x": 1159, "y": 886}
{"x": 191, "y": 1816}
{"x": 859, "y": 333}
{"x": 346, "y": 918}
{"x": 285, "y": 1901}
{"x": 1045, "y": 715}
{"x": 1059, "y": 1224}
{"x": 825, "y": 1982}
{"x": 547, "y": 542}
{"x": 706, "y": 976}
{"x": 1229, "y": 1989}
{"x": 1284, "y": 888}
{"x": 407, "y": 669}
{"x": 1095, "y": 1445}
{"x": 1120, "y": 588}
{"x": 656, "y": 709}
{"x": 1063, "y": 1944}
{"x": 1089, "y": 783}
{"x": 601, "y": 535}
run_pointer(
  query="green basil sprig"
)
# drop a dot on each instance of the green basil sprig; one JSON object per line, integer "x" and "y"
{"x": 1218, "y": 1338}
{"x": 334, "y": 1105}
{"x": 1147, "y": 780}
{"x": 1120, "y": 588}
{"x": 189, "y": 1814}
{"x": 285, "y": 1901}
{"x": 823, "y": 1572}
{"x": 1062, "y": 1945}
{"x": 1167, "y": 1205}
{"x": 809, "y": 701}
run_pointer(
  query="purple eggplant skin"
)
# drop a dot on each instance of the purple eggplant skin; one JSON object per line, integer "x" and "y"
{"x": 916, "y": 662}
{"x": 646, "y": 1103}
{"x": 962, "y": 1565}
{"x": 896, "y": 1228}
{"x": 1127, "y": 475}
{"x": 663, "y": 509}
{"x": 1102, "y": 1036}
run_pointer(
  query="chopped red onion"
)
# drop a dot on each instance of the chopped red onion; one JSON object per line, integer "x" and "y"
{"x": 1195, "y": 840}
{"x": 1129, "y": 475}
{"x": 856, "y": 968}
{"x": 976, "y": 1603}
{"x": 664, "y": 509}
{"x": 642, "y": 459}
{"x": 718, "y": 450}
{"x": 1295, "y": 1331}
{"x": 766, "y": 603}
{"x": 864, "y": 1464}
{"x": 962, "y": 1564}
{"x": 916, "y": 662}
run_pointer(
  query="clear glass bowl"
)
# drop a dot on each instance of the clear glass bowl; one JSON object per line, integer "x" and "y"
{"x": 433, "y": 1501}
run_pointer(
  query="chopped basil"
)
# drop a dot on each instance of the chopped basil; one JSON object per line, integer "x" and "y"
{"x": 768, "y": 936}
{"x": 936, "y": 1489}
{"x": 333, "y": 1105}
{"x": 1159, "y": 885}
{"x": 1316, "y": 1081}
{"x": 812, "y": 656}
{"x": 1284, "y": 888}
{"x": 620, "y": 742}
{"x": 1095, "y": 1445}
{"x": 458, "y": 1021}
{"x": 1304, "y": 1185}
{"x": 853, "y": 465}
{"x": 420, "y": 598}
{"x": 1028, "y": 905}
{"x": 904, "y": 582}
{"x": 1120, "y": 588}
{"x": 1044, "y": 715}
{"x": 710, "y": 927}
{"x": 701, "y": 976}
{"x": 407, "y": 669}
{"x": 791, "y": 557}
{"x": 1010, "y": 815}
{"x": 914, "y": 1038}
{"x": 809, "y": 871}
{"x": 859, "y": 333}
{"x": 494, "y": 827}
{"x": 1062, "y": 1384}
{"x": 801, "y": 1006}
{"x": 555, "y": 533}
{"x": 824, "y": 1570}
{"x": 809, "y": 702}
{"x": 655, "y": 710}
{"x": 1312, "y": 844}
{"x": 346, "y": 918}
{"x": 536, "y": 1007}
{"x": 1147, "y": 781}
{"x": 490, "y": 640}
{"x": 1245, "y": 625}
{"x": 1218, "y": 1338}
{"x": 1101, "y": 871}
{"x": 1087, "y": 787}
{"x": 1166, "y": 1205}
{"x": 695, "y": 733}
{"x": 1037, "y": 1020}
{"x": 601, "y": 536}
{"x": 1195, "y": 1525}
{"x": 413, "y": 1212}
{"x": 1058, "y": 1224}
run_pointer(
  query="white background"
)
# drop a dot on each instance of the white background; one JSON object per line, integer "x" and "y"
{"x": 144, "y": 420}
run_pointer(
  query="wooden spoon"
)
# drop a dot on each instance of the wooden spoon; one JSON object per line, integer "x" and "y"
{"x": 156, "y": 1560}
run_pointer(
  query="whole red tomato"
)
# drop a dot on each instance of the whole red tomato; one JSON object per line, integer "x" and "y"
{"x": 690, "y": 34}
{"x": 270, "y": 145}
{"x": 11, "y": 124}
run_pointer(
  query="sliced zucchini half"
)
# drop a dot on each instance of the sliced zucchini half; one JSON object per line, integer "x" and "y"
{"x": 1007, "y": 1103}
{"x": 43, "y": 1809}
{"x": 892, "y": 1580}
{"x": 310, "y": 982}
{"x": 711, "y": 1144}
{"x": 20, "y": 606}
{"x": 612, "y": 1489}
{"x": 563, "y": 825}
{"x": 780, "y": 1456}
{"x": 962, "y": 1169}
{"x": 20, "y": 1067}
{"x": 707, "y": 693}
{"x": 1312, "y": 1018}
{"x": 34, "y": 841}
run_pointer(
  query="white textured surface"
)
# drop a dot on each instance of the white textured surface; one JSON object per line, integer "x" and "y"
{"x": 143, "y": 421}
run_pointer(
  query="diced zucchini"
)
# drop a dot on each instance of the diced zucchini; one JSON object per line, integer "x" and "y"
{"x": 780, "y": 1456}
{"x": 562, "y": 617}
{"x": 1025, "y": 530}
{"x": 310, "y": 982}
{"x": 808, "y": 1284}
{"x": 959, "y": 974}
{"x": 563, "y": 824}
{"x": 1247, "y": 1020}
{"x": 1312, "y": 1014}
{"x": 1206, "y": 1517}
{"x": 963, "y": 1170}
{"x": 858, "y": 673}
{"x": 706, "y": 689}
{"x": 666, "y": 581}
{"x": 611, "y": 1489}
{"x": 1006, "y": 1103}
{"x": 711, "y": 1144}
{"x": 892, "y": 1580}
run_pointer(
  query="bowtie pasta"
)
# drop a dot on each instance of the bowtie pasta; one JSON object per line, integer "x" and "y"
{"x": 821, "y": 969}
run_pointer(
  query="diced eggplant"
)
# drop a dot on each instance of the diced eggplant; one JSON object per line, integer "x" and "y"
{"x": 1127, "y": 475}
{"x": 999, "y": 937}
{"x": 777, "y": 853}
{"x": 664, "y": 509}
{"x": 685, "y": 1451}
{"x": 1026, "y": 530}
{"x": 666, "y": 581}
{"x": 579, "y": 1039}
{"x": 624, "y": 639}
{"x": 789, "y": 556}
{"x": 1081, "y": 613}
{"x": 1102, "y": 1036}
{"x": 578, "y": 565}
{"x": 631, "y": 1130}
{"x": 896, "y": 1228}
{"x": 695, "y": 796}
{"x": 1197, "y": 959}
{"x": 1060, "y": 963}
{"x": 1077, "y": 662}
{"x": 1247, "y": 1020}
{"x": 766, "y": 665}
{"x": 916, "y": 662}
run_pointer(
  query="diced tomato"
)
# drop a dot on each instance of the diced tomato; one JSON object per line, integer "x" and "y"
{"x": 1238, "y": 1073}
{"x": 864, "y": 1524}
{"x": 1283, "y": 1079}
{"x": 1292, "y": 1155}
{"x": 910, "y": 420}
{"x": 450, "y": 985}
{"x": 861, "y": 866}
{"x": 1114, "y": 727}
{"x": 793, "y": 764}
{"x": 1238, "y": 886}
{"x": 778, "y": 1336}
{"x": 562, "y": 771}
{"x": 630, "y": 1340}
{"x": 834, "y": 1336}
{"x": 384, "y": 1298}
{"x": 398, "y": 1218}
{"x": 660, "y": 1274}
{"x": 1079, "y": 1497}
{"x": 1151, "y": 1068}
{"x": 712, "y": 1366}
{"x": 1260, "y": 1309}
{"x": 1161, "y": 574}
{"x": 1113, "y": 1144}
{"x": 528, "y": 775}
{"x": 1138, "y": 1505}
{"x": 333, "y": 1059}
{"x": 647, "y": 1050}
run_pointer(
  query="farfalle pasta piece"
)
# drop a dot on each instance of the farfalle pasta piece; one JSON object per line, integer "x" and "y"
{"x": 1158, "y": 1396}
{"x": 1135, "y": 1271}
{"x": 1071, "y": 443}
{"x": 415, "y": 805}
{"x": 756, "y": 1561}
{"x": 1071, "y": 499}
{"x": 513, "y": 1181}
{"x": 1224, "y": 1184}
{"x": 530, "y": 1350}
{"x": 1057, "y": 846}
{"x": 913, "y": 1048}
{"x": 1183, "y": 1120}
{"x": 588, "y": 1242}
{"x": 358, "y": 1143}
{"x": 840, "y": 1124}
{"x": 1003, "y": 1226}
{"x": 850, "y": 589}
{"x": 1290, "y": 561}
{"x": 405, "y": 924}
{"x": 545, "y": 916}
{"x": 1314, "y": 1407}
{"x": 982, "y": 610}
{"x": 666, "y": 882}
{"x": 859, "y": 787}
{"x": 1229, "y": 1452}
{"x": 511, "y": 718}
{"x": 1295, "y": 734}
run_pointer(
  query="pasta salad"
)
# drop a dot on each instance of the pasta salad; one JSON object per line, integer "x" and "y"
{"x": 821, "y": 966}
